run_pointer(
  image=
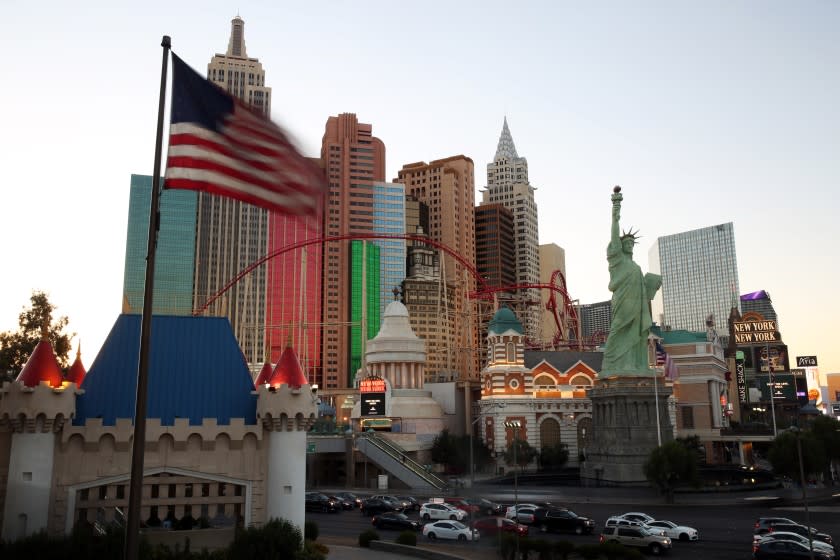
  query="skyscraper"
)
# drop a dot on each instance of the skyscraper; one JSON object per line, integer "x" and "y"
{"x": 447, "y": 187}
{"x": 230, "y": 235}
{"x": 507, "y": 184}
{"x": 760, "y": 302}
{"x": 353, "y": 160}
{"x": 699, "y": 278}
{"x": 175, "y": 252}
{"x": 430, "y": 310}
{"x": 495, "y": 258}
{"x": 389, "y": 218}
{"x": 365, "y": 315}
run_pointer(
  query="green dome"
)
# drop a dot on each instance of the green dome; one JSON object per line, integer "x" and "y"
{"x": 504, "y": 320}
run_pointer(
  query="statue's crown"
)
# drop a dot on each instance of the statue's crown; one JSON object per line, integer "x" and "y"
{"x": 634, "y": 235}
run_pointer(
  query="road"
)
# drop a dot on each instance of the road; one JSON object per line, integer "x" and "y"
{"x": 725, "y": 529}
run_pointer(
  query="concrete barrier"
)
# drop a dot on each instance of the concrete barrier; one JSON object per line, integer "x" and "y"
{"x": 415, "y": 551}
{"x": 200, "y": 539}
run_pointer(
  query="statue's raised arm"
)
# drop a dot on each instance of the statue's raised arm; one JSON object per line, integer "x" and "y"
{"x": 627, "y": 343}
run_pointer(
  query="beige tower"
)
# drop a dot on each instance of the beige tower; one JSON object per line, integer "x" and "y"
{"x": 552, "y": 258}
{"x": 447, "y": 187}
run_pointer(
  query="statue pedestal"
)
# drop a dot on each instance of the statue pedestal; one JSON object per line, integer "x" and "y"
{"x": 624, "y": 429}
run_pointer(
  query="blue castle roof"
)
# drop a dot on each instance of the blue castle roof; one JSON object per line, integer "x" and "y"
{"x": 196, "y": 371}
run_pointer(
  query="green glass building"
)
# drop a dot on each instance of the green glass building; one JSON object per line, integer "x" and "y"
{"x": 364, "y": 294}
{"x": 175, "y": 255}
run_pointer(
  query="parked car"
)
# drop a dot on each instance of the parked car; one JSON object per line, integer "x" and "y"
{"x": 413, "y": 503}
{"x": 785, "y": 550}
{"x": 394, "y": 520}
{"x": 801, "y": 530}
{"x": 795, "y": 537}
{"x": 562, "y": 520}
{"x": 492, "y": 526}
{"x": 373, "y": 506}
{"x": 763, "y": 524}
{"x": 522, "y": 513}
{"x": 315, "y": 501}
{"x": 485, "y": 506}
{"x": 675, "y": 531}
{"x": 449, "y": 530}
{"x": 639, "y": 537}
{"x": 357, "y": 500}
{"x": 430, "y": 511}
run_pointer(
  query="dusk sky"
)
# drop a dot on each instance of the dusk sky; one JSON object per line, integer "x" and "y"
{"x": 704, "y": 112}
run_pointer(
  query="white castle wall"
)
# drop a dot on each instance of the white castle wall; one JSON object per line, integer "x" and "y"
{"x": 286, "y": 480}
{"x": 29, "y": 483}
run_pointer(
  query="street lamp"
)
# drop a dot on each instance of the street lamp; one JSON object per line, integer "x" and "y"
{"x": 472, "y": 428}
{"x": 515, "y": 425}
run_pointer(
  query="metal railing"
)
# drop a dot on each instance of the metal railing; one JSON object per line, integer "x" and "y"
{"x": 399, "y": 455}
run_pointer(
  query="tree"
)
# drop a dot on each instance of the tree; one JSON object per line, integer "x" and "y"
{"x": 827, "y": 431}
{"x": 784, "y": 454}
{"x": 445, "y": 450}
{"x": 521, "y": 451}
{"x": 17, "y": 346}
{"x": 671, "y": 465}
{"x": 554, "y": 458}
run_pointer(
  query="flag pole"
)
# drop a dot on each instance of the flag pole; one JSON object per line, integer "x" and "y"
{"x": 132, "y": 528}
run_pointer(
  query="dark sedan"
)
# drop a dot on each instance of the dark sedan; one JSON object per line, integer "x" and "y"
{"x": 394, "y": 520}
{"x": 345, "y": 503}
{"x": 413, "y": 503}
{"x": 491, "y": 526}
{"x": 562, "y": 520}
{"x": 351, "y": 497}
{"x": 374, "y": 506}
{"x": 315, "y": 501}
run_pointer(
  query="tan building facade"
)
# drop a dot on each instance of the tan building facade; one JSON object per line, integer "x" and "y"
{"x": 447, "y": 187}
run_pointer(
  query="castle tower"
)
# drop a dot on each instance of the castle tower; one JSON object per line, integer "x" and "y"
{"x": 286, "y": 408}
{"x": 33, "y": 410}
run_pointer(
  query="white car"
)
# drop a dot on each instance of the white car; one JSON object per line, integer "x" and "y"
{"x": 522, "y": 513}
{"x": 449, "y": 530}
{"x": 431, "y": 511}
{"x": 675, "y": 531}
{"x": 637, "y": 516}
{"x": 618, "y": 521}
{"x": 795, "y": 537}
{"x": 510, "y": 512}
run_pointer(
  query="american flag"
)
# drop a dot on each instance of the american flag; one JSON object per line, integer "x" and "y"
{"x": 660, "y": 355}
{"x": 218, "y": 145}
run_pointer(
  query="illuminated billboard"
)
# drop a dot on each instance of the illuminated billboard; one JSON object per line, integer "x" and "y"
{"x": 784, "y": 387}
{"x": 372, "y": 391}
{"x": 747, "y": 333}
{"x": 778, "y": 358}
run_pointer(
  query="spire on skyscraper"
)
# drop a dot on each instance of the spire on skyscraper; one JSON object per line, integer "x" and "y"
{"x": 236, "y": 44}
{"x": 506, "y": 148}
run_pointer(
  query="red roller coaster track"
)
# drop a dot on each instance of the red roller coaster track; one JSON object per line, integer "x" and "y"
{"x": 564, "y": 315}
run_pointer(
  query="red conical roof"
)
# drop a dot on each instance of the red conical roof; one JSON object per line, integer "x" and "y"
{"x": 76, "y": 373}
{"x": 41, "y": 366}
{"x": 264, "y": 376}
{"x": 288, "y": 370}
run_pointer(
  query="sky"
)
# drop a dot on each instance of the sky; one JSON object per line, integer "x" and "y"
{"x": 704, "y": 112}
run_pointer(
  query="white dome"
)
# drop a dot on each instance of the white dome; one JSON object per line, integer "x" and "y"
{"x": 396, "y": 341}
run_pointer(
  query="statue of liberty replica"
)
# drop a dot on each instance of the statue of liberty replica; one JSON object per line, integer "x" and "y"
{"x": 629, "y": 400}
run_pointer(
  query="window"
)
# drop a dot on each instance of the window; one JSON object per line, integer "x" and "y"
{"x": 103, "y": 492}
{"x": 688, "y": 417}
{"x": 172, "y": 491}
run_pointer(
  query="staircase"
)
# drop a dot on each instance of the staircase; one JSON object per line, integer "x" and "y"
{"x": 393, "y": 459}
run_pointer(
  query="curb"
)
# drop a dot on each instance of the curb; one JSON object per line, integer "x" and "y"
{"x": 414, "y": 551}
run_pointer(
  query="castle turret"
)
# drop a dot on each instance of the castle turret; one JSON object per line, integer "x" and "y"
{"x": 287, "y": 408}
{"x": 33, "y": 410}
